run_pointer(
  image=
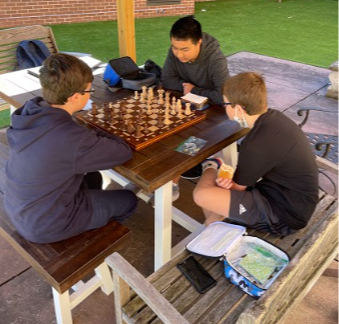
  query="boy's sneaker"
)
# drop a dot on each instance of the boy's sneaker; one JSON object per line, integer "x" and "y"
{"x": 193, "y": 173}
{"x": 175, "y": 192}
{"x": 213, "y": 163}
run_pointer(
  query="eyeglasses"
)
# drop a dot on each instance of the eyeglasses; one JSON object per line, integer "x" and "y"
{"x": 83, "y": 92}
{"x": 87, "y": 91}
{"x": 226, "y": 103}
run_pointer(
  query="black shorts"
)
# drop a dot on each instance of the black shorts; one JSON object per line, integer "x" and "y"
{"x": 251, "y": 209}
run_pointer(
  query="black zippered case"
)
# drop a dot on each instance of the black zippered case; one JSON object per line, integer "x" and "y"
{"x": 132, "y": 77}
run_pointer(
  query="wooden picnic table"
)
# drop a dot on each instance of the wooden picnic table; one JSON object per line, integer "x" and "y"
{"x": 154, "y": 167}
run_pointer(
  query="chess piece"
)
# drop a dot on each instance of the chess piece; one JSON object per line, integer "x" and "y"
{"x": 150, "y": 94}
{"x": 94, "y": 110}
{"x": 144, "y": 91}
{"x": 173, "y": 110}
{"x": 123, "y": 124}
{"x": 130, "y": 127}
{"x": 188, "y": 110}
{"x": 167, "y": 95}
{"x": 146, "y": 130}
{"x": 167, "y": 120}
{"x": 179, "y": 109}
{"x": 149, "y": 108}
{"x": 136, "y": 96}
{"x": 138, "y": 132}
{"x": 106, "y": 113}
{"x": 160, "y": 122}
{"x": 179, "y": 105}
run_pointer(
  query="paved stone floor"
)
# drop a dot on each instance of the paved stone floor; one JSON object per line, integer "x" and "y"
{"x": 25, "y": 298}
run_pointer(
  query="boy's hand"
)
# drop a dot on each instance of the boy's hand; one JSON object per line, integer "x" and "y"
{"x": 224, "y": 183}
{"x": 187, "y": 87}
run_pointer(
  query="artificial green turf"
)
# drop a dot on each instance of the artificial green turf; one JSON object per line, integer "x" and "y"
{"x": 304, "y": 31}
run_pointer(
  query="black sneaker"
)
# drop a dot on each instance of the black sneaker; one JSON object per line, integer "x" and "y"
{"x": 193, "y": 173}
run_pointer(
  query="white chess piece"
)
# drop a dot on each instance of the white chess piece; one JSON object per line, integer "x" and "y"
{"x": 150, "y": 93}
{"x": 149, "y": 108}
{"x": 188, "y": 110}
{"x": 136, "y": 96}
{"x": 144, "y": 91}
{"x": 166, "y": 120}
{"x": 179, "y": 105}
{"x": 179, "y": 109}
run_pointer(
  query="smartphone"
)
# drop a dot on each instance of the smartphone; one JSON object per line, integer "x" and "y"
{"x": 196, "y": 274}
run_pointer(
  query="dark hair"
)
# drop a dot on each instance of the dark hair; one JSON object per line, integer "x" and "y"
{"x": 186, "y": 28}
{"x": 247, "y": 89}
{"x": 61, "y": 75}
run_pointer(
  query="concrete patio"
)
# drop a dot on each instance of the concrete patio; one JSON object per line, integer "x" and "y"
{"x": 25, "y": 298}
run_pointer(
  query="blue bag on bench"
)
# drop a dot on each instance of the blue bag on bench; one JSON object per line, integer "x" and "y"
{"x": 124, "y": 70}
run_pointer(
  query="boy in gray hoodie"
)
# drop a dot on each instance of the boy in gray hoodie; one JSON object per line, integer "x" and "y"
{"x": 194, "y": 61}
{"x": 53, "y": 190}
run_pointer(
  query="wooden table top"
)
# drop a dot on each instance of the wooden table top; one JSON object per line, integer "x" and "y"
{"x": 157, "y": 164}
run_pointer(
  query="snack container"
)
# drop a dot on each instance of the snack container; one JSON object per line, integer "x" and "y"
{"x": 250, "y": 263}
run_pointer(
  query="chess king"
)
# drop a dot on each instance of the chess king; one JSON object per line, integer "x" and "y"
{"x": 53, "y": 189}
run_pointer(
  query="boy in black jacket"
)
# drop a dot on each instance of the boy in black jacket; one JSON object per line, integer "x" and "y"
{"x": 53, "y": 188}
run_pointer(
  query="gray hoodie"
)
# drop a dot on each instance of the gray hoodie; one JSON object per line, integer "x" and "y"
{"x": 208, "y": 72}
{"x": 45, "y": 197}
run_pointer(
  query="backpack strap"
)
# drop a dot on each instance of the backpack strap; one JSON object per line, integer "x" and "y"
{"x": 24, "y": 56}
{"x": 39, "y": 50}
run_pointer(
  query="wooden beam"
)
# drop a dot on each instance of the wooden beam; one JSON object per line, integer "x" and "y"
{"x": 126, "y": 28}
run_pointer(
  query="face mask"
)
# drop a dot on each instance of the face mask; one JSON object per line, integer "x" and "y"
{"x": 242, "y": 121}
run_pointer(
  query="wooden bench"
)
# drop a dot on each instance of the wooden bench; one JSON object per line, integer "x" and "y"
{"x": 10, "y": 38}
{"x": 167, "y": 297}
{"x": 64, "y": 264}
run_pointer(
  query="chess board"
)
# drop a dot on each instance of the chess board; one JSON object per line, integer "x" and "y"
{"x": 149, "y": 130}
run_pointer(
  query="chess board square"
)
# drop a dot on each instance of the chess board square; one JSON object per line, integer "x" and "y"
{"x": 129, "y": 111}
{"x": 128, "y": 116}
{"x": 100, "y": 116}
{"x": 153, "y": 116}
{"x": 153, "y": 122}
{"x": 129, "y": 106}
{"x": 131, "y": 100}
{"x": 153, "y": 128}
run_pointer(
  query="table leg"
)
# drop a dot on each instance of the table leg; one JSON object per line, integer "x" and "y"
{"x": 162, "y": 225}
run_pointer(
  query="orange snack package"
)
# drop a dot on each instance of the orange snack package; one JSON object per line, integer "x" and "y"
{"x": 225, "y": 171}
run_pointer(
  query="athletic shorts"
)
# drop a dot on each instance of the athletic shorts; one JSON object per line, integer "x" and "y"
{"x": 251, "y": 209}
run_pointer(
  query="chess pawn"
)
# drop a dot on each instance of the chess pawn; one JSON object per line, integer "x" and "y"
{"x": 160, "y": 123}
{"x": 144, "y": 91}
{"x": 173, "y": 109}
{"x": 166, "y": 120}
{"x": 150, "y": 93}
{"x": 123, "y": 124}
{"x": 174, "y": 101}
{"x": 188, "y": 109}
{"x": 149, "y": 108}
{"x": 136, "y": 96}
{"x": 130, "y": 126}
{"x": 179, "y": 109}
{"x": 94, "y": 110}
{"x": 167, "y": 94}
{"x": 161, "y": 99}
{"x": 138, "y": 132}
{"x": 106, "y": 113}
{"x": 146, "y": 130}
{"x": 179, "y": 105}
